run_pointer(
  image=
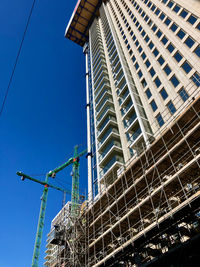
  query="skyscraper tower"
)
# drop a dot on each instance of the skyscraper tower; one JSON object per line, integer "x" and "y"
{"x": 142, "y": 66}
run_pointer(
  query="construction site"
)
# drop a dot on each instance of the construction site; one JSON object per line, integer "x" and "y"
{"x": 149, "y": 213}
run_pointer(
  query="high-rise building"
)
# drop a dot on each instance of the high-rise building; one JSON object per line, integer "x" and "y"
{"x": 142, "y": 65}
{"x": 56, "y": 249}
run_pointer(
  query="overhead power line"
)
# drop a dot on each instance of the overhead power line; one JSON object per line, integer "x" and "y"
{"x": 17, "y": 58}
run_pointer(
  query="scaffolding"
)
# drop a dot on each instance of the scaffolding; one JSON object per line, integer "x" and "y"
{"x": 150, "y": 208}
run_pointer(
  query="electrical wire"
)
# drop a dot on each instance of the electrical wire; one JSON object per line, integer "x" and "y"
{"x": 17, "y": 58}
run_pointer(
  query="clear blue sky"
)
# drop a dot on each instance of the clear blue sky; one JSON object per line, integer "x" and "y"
{"x": 44, "y": 118}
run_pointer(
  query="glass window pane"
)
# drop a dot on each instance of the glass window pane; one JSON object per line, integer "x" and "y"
{"x": 174, "y": 81}
{"x": 197, "y": 51}
{"x": 167, "y": 70}
{"x": 183, "y": 13}
{"x": 176, "y": 8}
{"x": 160, "y": 120}
{"x": 152, "y": 72}
{"x": 161, "y": 60}
{"x": 164, "y": 40}
{"x": 148, "y": 93}
{"x": 192, "y": 19}
{"x": 174, "y": 27}
{"x": 187, "y": 68}
{"x": 189, "y": 42}
{"x": 178, "y": 56}
{"x": 163, "y": 93}
{"x": 171, "y": 107}
{"x": 153, "y": 105}
{"x": 167, "y": 21}
{"x": 157, "y": 82}
{"x": 170, "y": 48}
{"x": 181, "y": 34}
{"x": 183, "y": 94}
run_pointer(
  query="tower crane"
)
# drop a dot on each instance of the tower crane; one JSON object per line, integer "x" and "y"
{"x": 74, "y": 196}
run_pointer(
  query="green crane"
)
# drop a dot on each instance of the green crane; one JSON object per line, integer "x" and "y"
{"x": 45, "y": 183}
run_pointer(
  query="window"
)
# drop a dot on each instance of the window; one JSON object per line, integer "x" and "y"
{"x": 170, "y": 4}
{"x": 143, "y": 33}
{"x": 147, "y": 63}
{"x": 137, "y": 43}
{"x": 174, "y": 81}
{"x": 164, "y": 40}
{"x": 174, "y": 27}
{"x": 198, "y": 27}
{"x": 167, "y": 70}
{"x": 162, "y": 16}
{"x": 155, "y": 52}
{"x": 192, "y": 19}
{"x": 146, "y": 18}
{"x": 163, "y": 93}
{"x": 151, "y": 45}
{"x": 187, "y": 68}
{"x": 181, "y": 34}
{"x": 160, "y": 120}
{"x": 133, "y": 59}
{"x": 152, "y": 72}
{"x": 146, "y": 39}
{"x": 154, "y": 28}
{"x": 153, "y": 7}
{"x": 148, "y": 93}
{"x": 167, "y": 21}
{"x": 140, "y": 74}
{"x": 183, "y": 13}
{"x": 183, "y": 94}
{"x": 196, "y": 79}
{"x": 159, "y": 33}
{"x": 134, "y": 38}
{"x": 189, "y": 42}
{"x": 171, "y": 107}
{"x": 197, "y": 51}
{"x": 178, "y": 56}
{"x": 157, "y": 82}
{"x": 157, "y": 11}
{"x": 140, "y": 28}
{"x": 164, "y": 1}
{"x": 176, "y": 8}
{"x": 144, "y": 83}
{"x": 136, "y": 66}
{"x": 153, "y": 105}
{"x": 161, "y": 60}
{"x": 140, "y": 49}
{"x": 170, "y": 48}
{"x": 143, "y": 56}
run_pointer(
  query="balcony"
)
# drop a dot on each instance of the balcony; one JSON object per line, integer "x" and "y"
{"x": 112, "y": 146}
{"x": 130, "y": 123}
{"x": 135, "y": 137}
{"x": 124, "y": 111}
{"x": 115, "y": 162}
{"x": 107, "y": 110}
{"x": 102, "y": 73}
{"x": 97, "y": 70}
{"x": 111, "y": 132}
{"x": 123, "y": 99}
{"x": 105, "y": 86}
{"x": 107, "y": 103}
{"x": 102, "y": 97}
{"x": 110, "y": 120}
{"x": 101, "y": 82}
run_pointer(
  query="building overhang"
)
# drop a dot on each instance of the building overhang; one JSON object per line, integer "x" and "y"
{"x": 82, "y": 17}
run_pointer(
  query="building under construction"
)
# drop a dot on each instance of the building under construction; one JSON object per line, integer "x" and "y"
{"x": 143, "y": 125}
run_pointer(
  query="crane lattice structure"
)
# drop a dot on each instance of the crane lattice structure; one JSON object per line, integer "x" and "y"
{"x": 74, "y": 194}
